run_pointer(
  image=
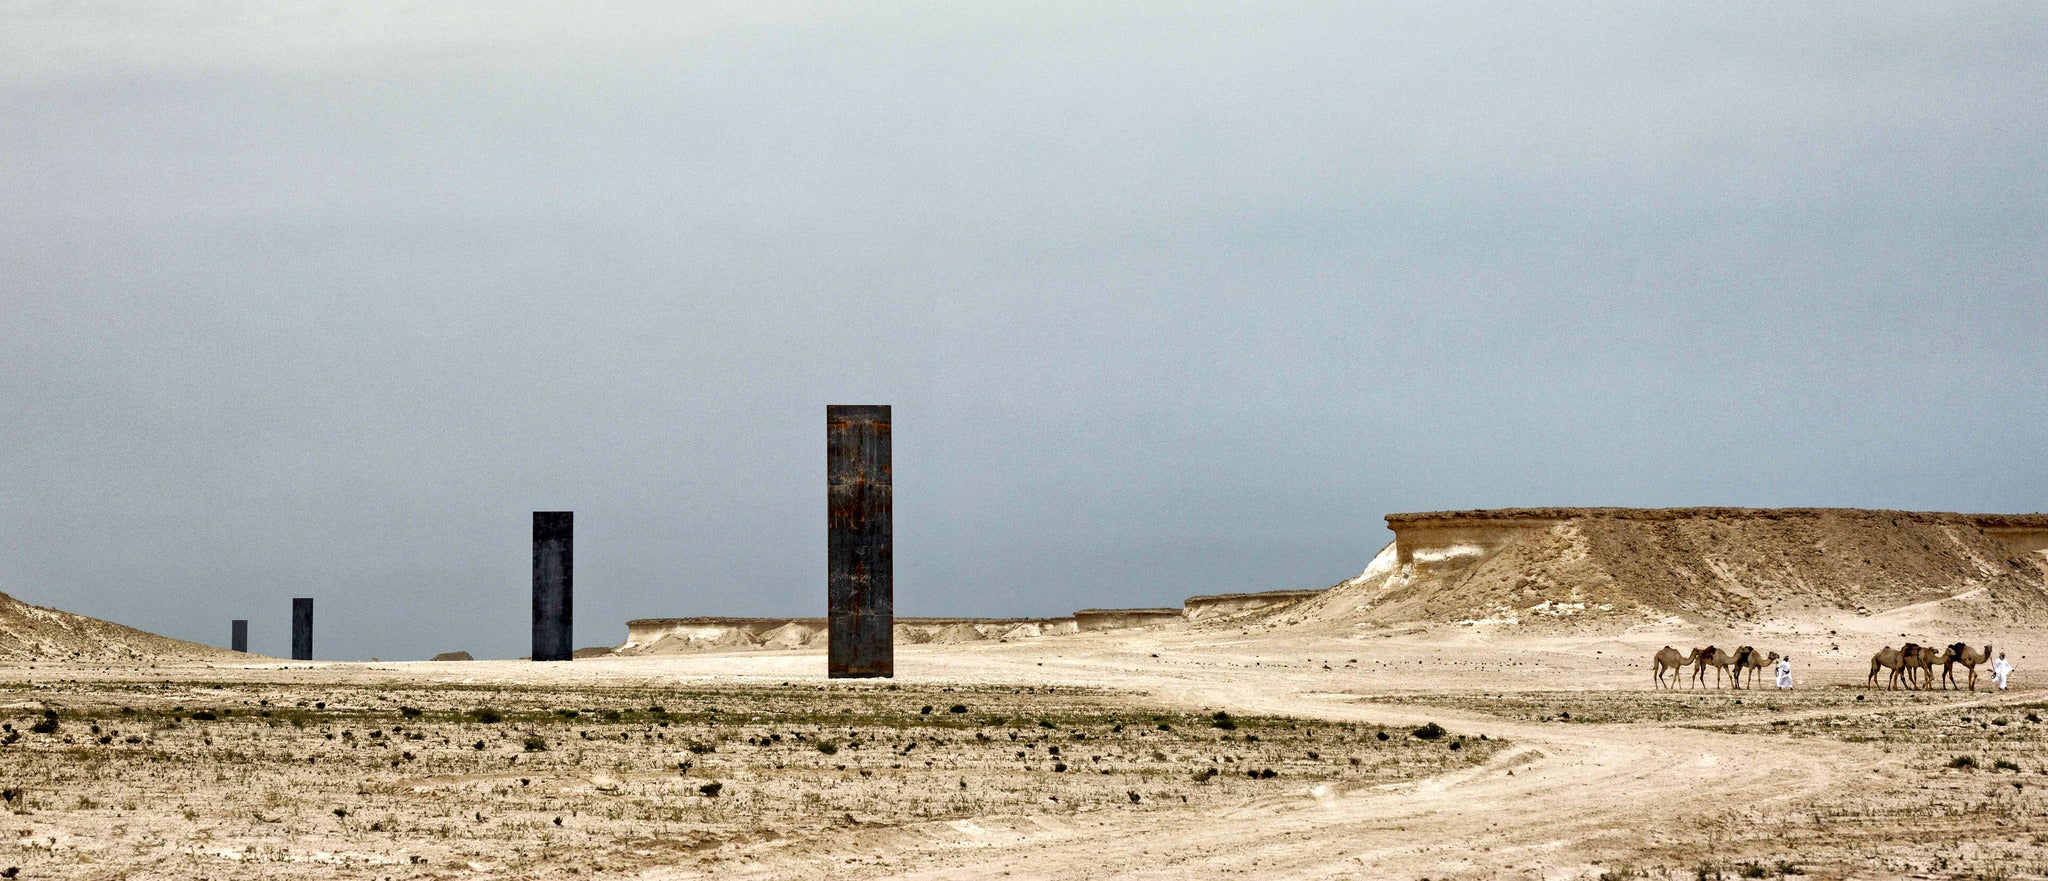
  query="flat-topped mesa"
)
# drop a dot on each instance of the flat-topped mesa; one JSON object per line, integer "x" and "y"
{"x": 711, "y": 633}
{"x": 1708, "y": 565}
{"x": 1230, "y": 605}
{"x": 1118, "y": 619}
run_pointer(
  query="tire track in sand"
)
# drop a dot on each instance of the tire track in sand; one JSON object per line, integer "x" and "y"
{"x": 1562, "y": 801}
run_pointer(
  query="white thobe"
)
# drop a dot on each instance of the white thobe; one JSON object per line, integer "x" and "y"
{"x": 1785, "y": 673}
{"x": 2000, "y": 669}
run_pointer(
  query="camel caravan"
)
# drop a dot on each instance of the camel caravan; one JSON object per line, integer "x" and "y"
{"x": 1727, "y": 664}
{"x": 1912, "y": 666}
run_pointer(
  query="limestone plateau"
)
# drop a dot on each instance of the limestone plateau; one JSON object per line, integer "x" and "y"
{"x": 1609, "y": 567}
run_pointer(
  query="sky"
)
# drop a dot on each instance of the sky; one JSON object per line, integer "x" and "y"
{"x": 324, "y": 299}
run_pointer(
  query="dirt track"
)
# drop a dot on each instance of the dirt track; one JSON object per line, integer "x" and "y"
{"x": 1561, "y": 802}
{"x": 1633, "y": 782}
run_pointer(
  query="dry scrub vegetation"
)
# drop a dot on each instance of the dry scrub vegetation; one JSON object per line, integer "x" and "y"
{"x": 1953, "y": 787}
{"x": 213, "y": 780}
{"x": 1668, "y": 706}
{"x": 1959, "y": 795}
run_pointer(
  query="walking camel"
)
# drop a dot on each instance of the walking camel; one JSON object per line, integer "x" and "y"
{"x": 1719, "y": 659}
{"x": 1961, "y": 653}
{"x": 1669, "y": 659}
{"x": 1699, "y": 665}
{"x": 1905, "y": 663}
{"x": 1887, "y": 658}
{"x": 1748, "y": 659}
{"x": 1918, "y": 664}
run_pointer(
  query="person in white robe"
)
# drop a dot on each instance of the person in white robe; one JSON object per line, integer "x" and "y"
{"x": 1785, "y": 672}
{"x": 2000, "y": 669}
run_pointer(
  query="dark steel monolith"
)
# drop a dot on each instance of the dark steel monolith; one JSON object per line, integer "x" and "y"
{"x": 859, "y": 582}
{"x": 238, "y": 634}
{"x": 553, "y": 584}
{"x": 302, "y": 628}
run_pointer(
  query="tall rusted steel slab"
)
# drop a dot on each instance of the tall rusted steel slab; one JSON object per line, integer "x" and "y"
{"x": 238, "y": 634}
{"x": 302, "y": 628}
{"x": 554, "y": 573}
{"x": 859, "y": 582}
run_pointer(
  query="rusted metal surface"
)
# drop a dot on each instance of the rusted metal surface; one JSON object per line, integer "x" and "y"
{"x": 553, "y": 585}
{"x": 238, "y": 634}
{"x": 302, "y": 628}
{"x": 859, "y": 586}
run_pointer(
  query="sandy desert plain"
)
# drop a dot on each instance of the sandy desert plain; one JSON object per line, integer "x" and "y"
{"x": 1323, "y": 740}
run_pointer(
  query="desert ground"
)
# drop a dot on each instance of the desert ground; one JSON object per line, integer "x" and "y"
{"x": 1375, "y": 752}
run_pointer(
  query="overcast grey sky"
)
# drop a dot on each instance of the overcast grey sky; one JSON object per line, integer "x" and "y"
{"x": 1170, "y": 299}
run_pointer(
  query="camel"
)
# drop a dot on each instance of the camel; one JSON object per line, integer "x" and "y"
{"x": 1748, "y": 659}
{"x": 1961, "y": 653}
{"x": 1907, "y": 664}
{"x": 1886, "y": 658}
{"x": 1699, "y": 665}
{"x": 1918, "y": 665}
{"x": 1719, "y": 659}
{"x": 1670, "y": 659}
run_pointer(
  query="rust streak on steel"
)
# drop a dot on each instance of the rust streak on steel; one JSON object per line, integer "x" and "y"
{"x": 859, "y": 585}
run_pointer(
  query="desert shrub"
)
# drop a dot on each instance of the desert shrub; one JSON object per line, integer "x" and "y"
{"x": 711, "y": 790}
{"x": 1203, "y": 775}
{"x": 1431, "y": 731}
{"x": 47, "y": 724}
{"x": 2003, "y": 765}
{"x": 487, "y": 716}
{"x": 1964, "y": 763}
{"x": 957, "y": 709}
{"x": 926, "y": 711}
{"x": 204, "y": 716}
{"x": 828, "y": 747}
{"x": 411, "y": 712}
{"x": 535, "y": 743}
{"x": 1222, "y": 720}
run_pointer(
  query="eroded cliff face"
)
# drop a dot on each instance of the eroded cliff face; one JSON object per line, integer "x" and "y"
{"x": 682, "y": 635}
{"x": 1119, "y": 619}
{"x": 1233, "y": 605}
{"x": 1703, "y": 565}
{"x": 704, "y": 634}
{"x": 2025, "y": 534}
